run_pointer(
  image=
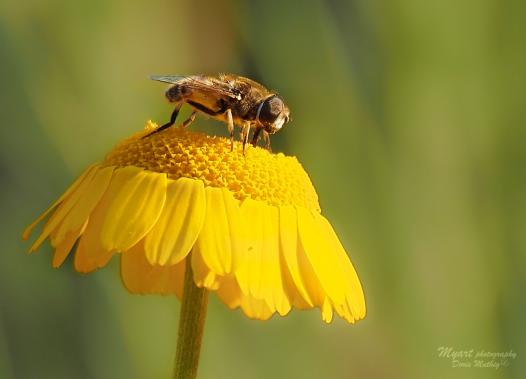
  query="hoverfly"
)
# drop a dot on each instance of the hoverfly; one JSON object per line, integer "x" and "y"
{"x": 230, "y": 98}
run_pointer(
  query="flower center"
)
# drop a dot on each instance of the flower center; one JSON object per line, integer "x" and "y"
{"x": 260, "y": 175}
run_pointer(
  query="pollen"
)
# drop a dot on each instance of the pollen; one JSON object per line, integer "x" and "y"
{"x": 275, "y": 179}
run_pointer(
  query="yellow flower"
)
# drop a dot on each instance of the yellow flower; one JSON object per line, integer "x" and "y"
{"x": 249, "y": 225}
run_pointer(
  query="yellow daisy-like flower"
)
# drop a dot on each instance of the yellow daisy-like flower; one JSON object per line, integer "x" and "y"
{"x": 249, "y": 225}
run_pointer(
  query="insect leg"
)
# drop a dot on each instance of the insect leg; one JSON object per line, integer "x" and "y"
{"x": 189, "y": 120}
{"x": 244, "y": 134}
{"x": 169, "y": 123}
{"x": 230, "y": 124}
{"x": 266, "y": 138}
{"x": 255, "y": 136}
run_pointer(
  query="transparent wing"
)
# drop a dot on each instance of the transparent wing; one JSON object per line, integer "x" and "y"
{"x": 173, "y": 79}
{"x": 206, "y": 84}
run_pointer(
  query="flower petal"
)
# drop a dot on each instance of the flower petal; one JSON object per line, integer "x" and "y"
{"x": 296, "y": 300}
{"x": 138, "y": 197}
{"x": 256, "y": 308}
{"x": 67, "y": 203}
{"x": 63, "y": 248}
{"x": 319, "y": 253}
{"x": 288, "y": 233}
{"x": 354, "y": 293}
{"x": 326, "y": 311}
{"x": 85, "y": 175}
{"x": 203, "y": 276}
{"x": 178, "y": 226}
{"x": 249, "y": 273}
{"x": 238, "y": 229}
{"x": 229, "y": 291}
{"x": 141, "y": 277}
{"x": 88, "y": 199}
{"x": 271, "y": 283}
{"x": 91, "y": 254}
{"x": 309, "y": 278}
{"x": 214, "y": 242}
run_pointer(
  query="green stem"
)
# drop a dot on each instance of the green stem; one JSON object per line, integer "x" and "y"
{"x": 191, "y": 325}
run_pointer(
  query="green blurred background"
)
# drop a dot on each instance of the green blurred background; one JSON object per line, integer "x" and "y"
{"x": 407, "y": 114}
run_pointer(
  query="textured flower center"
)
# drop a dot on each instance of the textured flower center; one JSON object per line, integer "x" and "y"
{"x": 273, "y": 178}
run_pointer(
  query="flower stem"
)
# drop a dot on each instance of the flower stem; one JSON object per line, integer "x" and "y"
{"x": 191, "y": 325}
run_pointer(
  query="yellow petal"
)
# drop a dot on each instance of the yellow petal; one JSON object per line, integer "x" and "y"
{"x": 237, "y": 228}
{"x": 249, "y": 273}
{"x": 296, "y": 300}
{"x": 65, "y": 245}
{"x": 88, "y": 199}
{"x": 141, "y": 277}
{"x": 214, "y": 242}
{"x": 326, "y": 311}
{"x": 178, "y": 226}
{"x": 309, "y": 278}
{"x": 203, "y": 276}
{"x": 271, "y": 284}
{"x": 91, "y": 254}
{"x": 86, "y": 174}
{"x": 229, "y": 291}
{"x": 354, "y": 292}
{"x": 256, "y": 308}
{"x": 288, "y": 233}
{"x": 138, "y": 198}
{"x": 67, "y": 203}
{"x": 319, "y": 253}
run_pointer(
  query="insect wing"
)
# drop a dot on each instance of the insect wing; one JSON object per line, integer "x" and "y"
{"x": 172, "y": 79}
{"x": 203, "y": 84}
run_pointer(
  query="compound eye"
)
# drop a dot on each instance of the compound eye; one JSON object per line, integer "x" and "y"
{"x": 272, "y": 108}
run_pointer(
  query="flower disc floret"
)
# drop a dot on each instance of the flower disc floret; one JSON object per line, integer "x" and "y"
{"x": 275, "y": 179}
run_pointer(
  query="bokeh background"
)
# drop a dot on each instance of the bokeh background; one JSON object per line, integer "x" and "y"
{"x": 409, "y": 116}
